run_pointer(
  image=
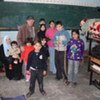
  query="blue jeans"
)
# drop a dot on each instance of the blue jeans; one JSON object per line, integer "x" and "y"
{"x": 73, "y": 70}
{"x": 52, "y": 60}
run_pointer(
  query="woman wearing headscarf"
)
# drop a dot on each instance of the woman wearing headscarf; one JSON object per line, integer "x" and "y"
{"x": 4, "y": 54}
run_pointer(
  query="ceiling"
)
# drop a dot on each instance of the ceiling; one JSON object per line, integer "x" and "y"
{"x": 90, "y": 3}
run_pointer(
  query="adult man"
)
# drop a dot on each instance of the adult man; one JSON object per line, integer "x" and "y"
{"x": 27, "y": 30}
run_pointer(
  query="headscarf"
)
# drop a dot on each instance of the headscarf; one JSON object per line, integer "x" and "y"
{"x": 6, "y": 46}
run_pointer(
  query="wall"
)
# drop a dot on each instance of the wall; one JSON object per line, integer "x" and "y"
{"x": 14, "y": 14}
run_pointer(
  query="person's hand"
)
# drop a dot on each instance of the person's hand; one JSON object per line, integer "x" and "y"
{"x": 58, "y": 42}
{"x": 10, "y": 66}
{"x": 22, "y": 48}
{"x": 20, "y": 60}
{"x": 44, "y": 73}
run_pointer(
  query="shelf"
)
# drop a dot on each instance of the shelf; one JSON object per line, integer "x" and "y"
{"x": 8, "y": 29}
{"x": 95, "y": 60}
{"x": 96, "y": 83}
{"x": 95, "y": 39}
{"x": 95, "y": 70}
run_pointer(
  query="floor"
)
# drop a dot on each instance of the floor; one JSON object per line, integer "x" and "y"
{"x": 56, "y": 90}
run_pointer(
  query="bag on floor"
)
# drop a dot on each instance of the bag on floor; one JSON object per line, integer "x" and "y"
{"x": 22, "y": 97}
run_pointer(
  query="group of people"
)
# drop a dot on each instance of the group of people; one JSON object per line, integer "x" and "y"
{"x": 29, "y": 55}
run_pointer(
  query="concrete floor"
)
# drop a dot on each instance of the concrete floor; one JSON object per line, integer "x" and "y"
{"x": 56, "y": 90}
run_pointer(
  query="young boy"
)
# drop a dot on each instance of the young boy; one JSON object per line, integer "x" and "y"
{"x": 42, "y": 21}
{"x": 60, "y": 40}
{"x": 37, "y": 65}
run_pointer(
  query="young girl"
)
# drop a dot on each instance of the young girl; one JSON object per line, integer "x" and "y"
{"x": 50, "y": 32}
{"x": 24, "y": 56}
{"x": 75, "y": 50}
{"x": 44, "y": 48}
{"x": 41, "y": 33}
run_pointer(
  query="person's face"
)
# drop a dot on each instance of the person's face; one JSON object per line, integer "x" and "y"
{"x": 37, "y": 46}
{"x": 75, "y": 35}
{"x": 28, "y": 44}
{"x": 14, "y": 45}
{"x": 43, "y": 28}
{"x": 41, "y": 22}
{"x": 59, "y": 27}
{"x": 8, "y": 40}
{"x": 81, "y": 23}
{"x": 52, "y": 25}
{"x": 43, "y": 41}
{"x": 30, "y": 22}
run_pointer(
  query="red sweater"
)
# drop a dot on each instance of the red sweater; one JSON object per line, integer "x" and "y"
{"x": 25, "y": 53}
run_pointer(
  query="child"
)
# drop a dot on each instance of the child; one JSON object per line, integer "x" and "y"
{"x": 41, "y": 33}
{"x": 49, "y": 35}
{"x": 42, "y": 21}
{"x": 60, "y": 41}
{"x": 75, "y": 49}
{"x": 14, "y": 60}
{"x": 24, "y": 56}
{"x": 37, "y": 66}
{"x": 44, "y": 48}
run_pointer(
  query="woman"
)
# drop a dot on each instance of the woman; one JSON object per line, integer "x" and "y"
{"x": 4, "y": 54}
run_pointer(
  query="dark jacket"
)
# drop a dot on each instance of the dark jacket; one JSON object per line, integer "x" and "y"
{"x": 40, "y": 35}
{"x": 2, "y": 55}
{"x": 36, "y": 61}
{"x": 45, "y": 51}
